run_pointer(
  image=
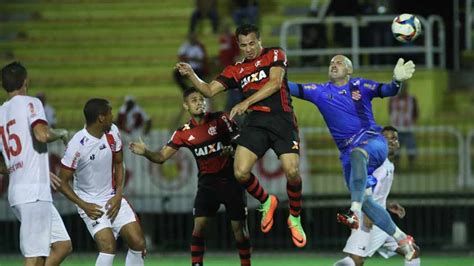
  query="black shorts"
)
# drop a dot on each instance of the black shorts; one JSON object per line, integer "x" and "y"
{"x": 262, "y": 131}
{"x": 225, "y": 190}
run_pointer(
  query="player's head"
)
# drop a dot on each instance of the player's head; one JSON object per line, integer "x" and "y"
{"x": 340, "y": 67}
{"x": 248, "y": 37}
{"x": 194, "y": 102}
{"x": 98, "y": 111}
{"x": 14, "y": 77}
{"x": 129, "y": 102}
{"x": 391, "y": 134}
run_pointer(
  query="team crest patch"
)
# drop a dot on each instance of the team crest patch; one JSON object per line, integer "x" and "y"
{"x": 212, "y": 130}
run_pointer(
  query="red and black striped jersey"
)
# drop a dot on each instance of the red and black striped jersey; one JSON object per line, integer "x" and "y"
{"x": 251, "y": 75}
{"x": 206, "y": 140}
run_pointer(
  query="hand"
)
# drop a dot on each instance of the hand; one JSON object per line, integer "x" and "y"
{"x": 403, "y": 71}
{"x": 239, "y": 109}
{"x": 227, "y": 151}
{"x": 55, "y": 181}
{"x": 397, "y": 209}
{"x": 92, "y": 210}
{"x": 113, "y": 207}
{"x": 184, "y": 69}
{"x": 63, "y": 135}
{"x": 138, "y": 148}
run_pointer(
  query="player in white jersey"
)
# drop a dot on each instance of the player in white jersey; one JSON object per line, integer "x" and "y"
{"x": 369, "y": 238}
{"x": 94, "y": 159}
{"x": 24, "y": 134}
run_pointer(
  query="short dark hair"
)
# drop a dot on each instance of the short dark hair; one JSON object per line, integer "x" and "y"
{"x": 13, "y": 76}
{"x": 389, "y": 128}
{"x": 246, "y": 29}
{"x": 95, "y": 107}
{"x": 189, "y": 91}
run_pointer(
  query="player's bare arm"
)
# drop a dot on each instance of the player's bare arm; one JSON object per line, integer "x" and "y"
{"x": 55, "y": 181}
{"x": 207, "y": 89}
{"x": 114, "y": 203}
{"x": 92, "y": 210}
{"x": 3, "y": 166}
{"x": 161, "y": 156}
{"x": 45, "y": 134}
{"x": 273, "y": 85}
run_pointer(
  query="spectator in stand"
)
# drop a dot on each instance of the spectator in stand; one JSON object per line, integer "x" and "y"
{"x": 194, "y": 53}
{"x": 48, "y": 110}
{"x": 132, "y": 119}
{"x": 205, "y": 8}
{"x": 245, "y": 11}
{"x": 404, "y": 113}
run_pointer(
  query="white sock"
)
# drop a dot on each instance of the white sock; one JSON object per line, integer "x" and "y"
{"x": 134, "y": 258}
{"x": 399, "y": 235}
{"x": 413, "y": 262}
{"x": 356, "y": 207}
{"x": 347, "y": 261}
{"x": 104, "y": 259}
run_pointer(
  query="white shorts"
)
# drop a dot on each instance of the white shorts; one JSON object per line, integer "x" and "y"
{"x": 35, "y": 227}
{"x": 365, "y": 244}
{"x": 58, "y": 230}
{"x": 125, "y": 216}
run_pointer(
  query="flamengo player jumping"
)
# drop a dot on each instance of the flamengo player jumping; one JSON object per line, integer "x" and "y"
{"x": 271, "y": 123}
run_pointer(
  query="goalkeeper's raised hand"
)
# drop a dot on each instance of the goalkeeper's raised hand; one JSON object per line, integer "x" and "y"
{"x": 403, "y": 71}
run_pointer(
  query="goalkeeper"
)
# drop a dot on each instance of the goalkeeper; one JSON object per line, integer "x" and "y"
{"x": 345, "y": 103}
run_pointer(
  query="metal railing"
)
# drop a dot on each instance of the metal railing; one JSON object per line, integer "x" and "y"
{"x": 428, "y": 49}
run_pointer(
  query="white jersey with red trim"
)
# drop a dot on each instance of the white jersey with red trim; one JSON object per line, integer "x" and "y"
{"x": 91, "y": 159}
{"x": 384, "y": 176}
{"x": 26, "y": 158}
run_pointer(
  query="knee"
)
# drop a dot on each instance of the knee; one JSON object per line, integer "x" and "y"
{"x": 138, "y": 244}
{"x": 358, "y": 154}
{"x": 292, "y": 173}
{"x": 241, "y": 173}
{"x": 359, "y": 261}
{"x": 107, "y": 247}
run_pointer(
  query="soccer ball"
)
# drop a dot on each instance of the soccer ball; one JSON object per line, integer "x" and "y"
{"x": 406, "y": 27}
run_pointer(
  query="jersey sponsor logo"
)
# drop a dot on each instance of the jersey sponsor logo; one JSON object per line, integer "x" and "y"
{"x": 76, "y": 159}
{"x": 227, "y": 123}
{"x": 212, "y": 130}
{"x": 310, "y": 86}
{"x": 254, "y": 77}
{"x": 369, "y": 86}
{"x": 209, "y": 149}
{"x": 31, "y": 107}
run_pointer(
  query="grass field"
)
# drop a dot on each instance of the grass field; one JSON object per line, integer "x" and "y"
{"x": 267, "y": 259}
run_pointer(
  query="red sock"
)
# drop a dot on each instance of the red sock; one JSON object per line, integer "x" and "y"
{"x": 244, "y": 252}
{"x": 293, "y": 189}
{"x": 197, "y": 250}
{"x": 254, "y": 188}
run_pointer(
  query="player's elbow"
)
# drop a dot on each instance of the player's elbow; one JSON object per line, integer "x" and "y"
{"x": 42, "y": 137}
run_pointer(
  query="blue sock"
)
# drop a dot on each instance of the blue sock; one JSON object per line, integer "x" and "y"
{"x": 379, "y": 215}
{"x": 358, "y": 175}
